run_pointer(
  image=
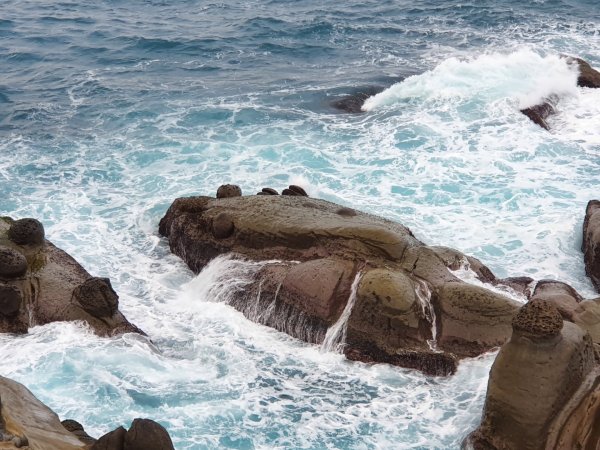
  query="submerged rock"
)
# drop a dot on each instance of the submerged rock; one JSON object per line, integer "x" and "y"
{"x": 39, "y": 284}
{"x": 544, "y": 387}
{"x": 591, "y": 242}
{"x": 353, "y": 103}
{"x": 408, "y": 308}
{"x": 539, "y": 113}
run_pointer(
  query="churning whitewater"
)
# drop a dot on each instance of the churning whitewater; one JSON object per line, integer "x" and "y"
{"x": 110, "y": 110}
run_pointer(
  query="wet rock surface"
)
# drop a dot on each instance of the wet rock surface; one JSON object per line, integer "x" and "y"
{"x": 591, "y": 242}
{"x": 539, "y": 113}
{"x": 410, "y": 309}
{"x": 39, "y": 284}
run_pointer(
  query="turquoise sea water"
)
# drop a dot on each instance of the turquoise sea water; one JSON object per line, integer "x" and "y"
{"x": 109, "y": 110}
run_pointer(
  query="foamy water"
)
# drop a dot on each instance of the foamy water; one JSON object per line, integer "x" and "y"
{"x": 112, "y": 110}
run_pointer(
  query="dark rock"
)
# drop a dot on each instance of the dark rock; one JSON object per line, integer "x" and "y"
{"x": 521, "y": 285}
{"x": 228, "y": 191}
{"x": 269, "y": 191}
{"x": 222, "y": 226}
{"x": 145, "y": 434}
{"x": 27, "y": 232}
{"x": 346, "y": 212}
{"x": 561, "y": 295}
{"x": 298, "y": 190}
{"x": 588, "y": 76}
{"x": 290, "y": 193}
{"x": 353, "y": 103}
{"x": 12, "y": 263}
{"x": 77, "y": 429}
{"x": 539, "y": 113}
{"x": 10, "y": 300}
{"x": 114, "y": 440}
{"x": 539, "y": 320}
{"x": 591, "y": 242}
{"x": 97, "y": 297}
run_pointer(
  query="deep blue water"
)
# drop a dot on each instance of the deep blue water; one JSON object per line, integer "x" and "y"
{"x": 111, "y": 109}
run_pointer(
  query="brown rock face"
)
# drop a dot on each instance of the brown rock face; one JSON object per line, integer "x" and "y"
{"x": 543, "y": 386}
{"x": 409, "y": 309}
{"x": 114, "y": 440}
{"x": 228, "y": 191}
{"x": 39, "y": 284}
{"x": 588, "y": 76}
{"x": 32, "y": 422}
{"x": 145, "y": 434}
{"x": 539, "y": 113}
{"x": 27, "y": 232}
{"x": 591, "y": 242}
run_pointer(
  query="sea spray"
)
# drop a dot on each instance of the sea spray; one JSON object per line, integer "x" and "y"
{"x": 335, "y": 338}
{"x": 423, "y": 294}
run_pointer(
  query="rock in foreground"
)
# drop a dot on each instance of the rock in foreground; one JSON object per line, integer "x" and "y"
{"x": 40, "y": 283}
{"x": 544, "y": 387}
{"x": 404, "y": 305}
{"x": 591, "y": 242}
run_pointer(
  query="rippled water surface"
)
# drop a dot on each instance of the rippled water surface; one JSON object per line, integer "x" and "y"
{"x": 111, "y": 109}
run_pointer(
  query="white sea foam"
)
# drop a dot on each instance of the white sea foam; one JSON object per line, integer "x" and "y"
{"x": 524, "y": 75}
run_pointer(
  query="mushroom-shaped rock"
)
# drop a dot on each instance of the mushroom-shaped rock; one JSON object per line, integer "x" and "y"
{"x": 228, "y": 191}
{"x": 298, "y": 190}
{"x": 97, "y": 297}
{"x": 146, "y": 434}
{"x": 13, "y": 264}
{"x": 563, "y": 296}
{"x": 538, "y": 320}
{"x": 536, "y": 382}
{"x": 10, "y": 300}
{"x": 113, "y": 440}
{"x": 591, "y": 242}
{"x": 27, "y": 232}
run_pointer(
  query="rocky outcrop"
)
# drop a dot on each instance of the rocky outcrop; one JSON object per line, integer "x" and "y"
{"x": 143, "y": 434}
{"x": 588, "y": 76}
{"x": 407, "y": 308}
{"x": 544, "y": 386}
{"x": 539, "y": 113}
{"x": 39, "y": 284}
{"x": 28, "y": 422}
{"x": 591, "y": 242}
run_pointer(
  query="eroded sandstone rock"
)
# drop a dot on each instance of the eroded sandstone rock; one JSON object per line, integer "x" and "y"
{"x": 410, "y": 309}
{"x": 39, "y": 284}
{"x": 543, "y": 386}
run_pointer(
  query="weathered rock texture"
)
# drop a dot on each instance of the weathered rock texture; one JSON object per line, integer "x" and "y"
{"x": 591, "y": 242}
{"x": 543, "y": 391}
{"x": 409, "y": 310}
{"x": 39, "y": 284}
{"x": 30, "y": 421}
{"x": 143, "y": 434}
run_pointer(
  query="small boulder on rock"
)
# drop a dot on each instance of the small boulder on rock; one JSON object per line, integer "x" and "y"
{"x": 228, "y": 191}
{"x": 27, "y": 232}
{"x": 97, "y": 297}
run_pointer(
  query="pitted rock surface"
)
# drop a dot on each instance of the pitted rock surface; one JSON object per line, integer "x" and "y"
{"x": 27, "y": 232}
{"x": 228, "y": 191}
{"x": 97, "y": 297}
{"x": 12, "y": 263}
{"x": 538, "y": 319}
{"x": 10, "y": 300}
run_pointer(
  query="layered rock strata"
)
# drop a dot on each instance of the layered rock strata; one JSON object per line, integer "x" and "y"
{"x": 40, "y": 283}
{"x": 544, "y": 386}
{"x": 591, "y": 242}
{"x": 409, "y": 307}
